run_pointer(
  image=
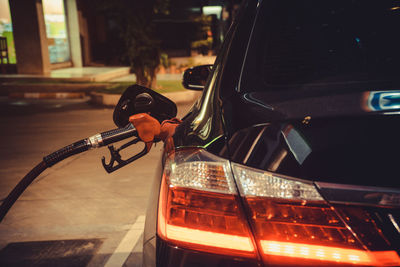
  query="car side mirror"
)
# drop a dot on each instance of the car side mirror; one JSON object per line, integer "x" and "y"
{"x": 138, "y": 99}
{"x": 195, "y": 78}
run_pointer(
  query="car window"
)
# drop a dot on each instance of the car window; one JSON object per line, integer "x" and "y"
{"x": 314, "y": 42}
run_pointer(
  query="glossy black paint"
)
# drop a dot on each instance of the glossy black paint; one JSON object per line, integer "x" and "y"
{"x": 350, "y": 149}
{"x": 204, "y": 123}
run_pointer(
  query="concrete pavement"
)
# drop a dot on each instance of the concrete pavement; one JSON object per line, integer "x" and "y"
{"x": 75, "y": 199}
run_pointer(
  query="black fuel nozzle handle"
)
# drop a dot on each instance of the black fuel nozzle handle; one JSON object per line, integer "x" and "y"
{"x": 116, "y": 162}
{"x": 119, "y": 134}
{"x": 112, "y": 136}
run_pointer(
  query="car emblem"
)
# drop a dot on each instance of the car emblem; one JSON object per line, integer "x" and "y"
{"x": 383, "y": 100}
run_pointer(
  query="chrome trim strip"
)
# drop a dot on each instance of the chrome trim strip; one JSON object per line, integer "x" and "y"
{"x": 365, "y": 195}
{"x": 394, "y": 222}
{"x": 196, "y": 86}
{"x": 254, "y": 144}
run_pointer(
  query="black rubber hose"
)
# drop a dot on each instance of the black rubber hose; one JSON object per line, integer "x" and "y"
{"x": 48, "y": 161}
{"x": 108, "y": 137}
{"x": 21, "y": 186}
{"x": 66, "y": 152}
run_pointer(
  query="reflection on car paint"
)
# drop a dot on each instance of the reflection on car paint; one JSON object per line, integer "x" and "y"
{"x": 296, "y": 143}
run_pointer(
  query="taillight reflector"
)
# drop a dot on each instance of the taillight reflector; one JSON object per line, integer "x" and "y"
{"x": 207, "y": 238}
{"x": 334, "y": 254}
{"x": 199, "y": 207}
{"x": 314, "y": 252}
{"x": 292, "y": 221}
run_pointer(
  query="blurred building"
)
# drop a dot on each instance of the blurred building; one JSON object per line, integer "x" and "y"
{"x": 43, "y": 35}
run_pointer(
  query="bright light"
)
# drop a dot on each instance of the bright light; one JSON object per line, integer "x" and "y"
{"x": 335, "y": 254}
{"x": 212, "y": 10}
{"x": 206, "y": 238}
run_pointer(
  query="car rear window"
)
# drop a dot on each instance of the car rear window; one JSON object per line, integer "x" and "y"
{"x": 345, "y": 150}
{"x": 323, "y": 42}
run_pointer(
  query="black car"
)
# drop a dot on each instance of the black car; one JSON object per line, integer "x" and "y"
{"x": 291, "y": 155}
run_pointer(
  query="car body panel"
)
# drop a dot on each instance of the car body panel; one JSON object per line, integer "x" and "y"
{"x": 308, "y": 137}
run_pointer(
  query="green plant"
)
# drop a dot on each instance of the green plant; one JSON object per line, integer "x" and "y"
{"x": 202, "y": 46}
{"x": 202, "y": 42}
{"x": 134, "y": 22}
{"x": 164, "y": 60}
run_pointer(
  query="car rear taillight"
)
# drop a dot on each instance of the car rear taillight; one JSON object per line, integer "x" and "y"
{"x": 199, "y": 207}
{"x": 293, "y": 224}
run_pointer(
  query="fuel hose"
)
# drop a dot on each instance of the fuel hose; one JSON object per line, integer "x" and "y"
{"x": 95, "y": 141}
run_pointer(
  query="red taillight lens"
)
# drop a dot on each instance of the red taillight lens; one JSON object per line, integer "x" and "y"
{"x": 325, "y": 255}
{"x": 199, "y": 207}
{"x": 294, "y": 226}
{"x": 299, "y": 222}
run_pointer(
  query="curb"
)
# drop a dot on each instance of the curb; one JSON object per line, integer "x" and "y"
{"x": 67, "y": 75}
{"x": 12, "y": 88}
{"x": 79, "y": 90}
{"x": 59, "y": 95}
{"x": 110, "y": 100}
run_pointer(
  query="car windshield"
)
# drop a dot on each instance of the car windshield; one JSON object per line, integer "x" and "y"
{"x": 320, "y": 43}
